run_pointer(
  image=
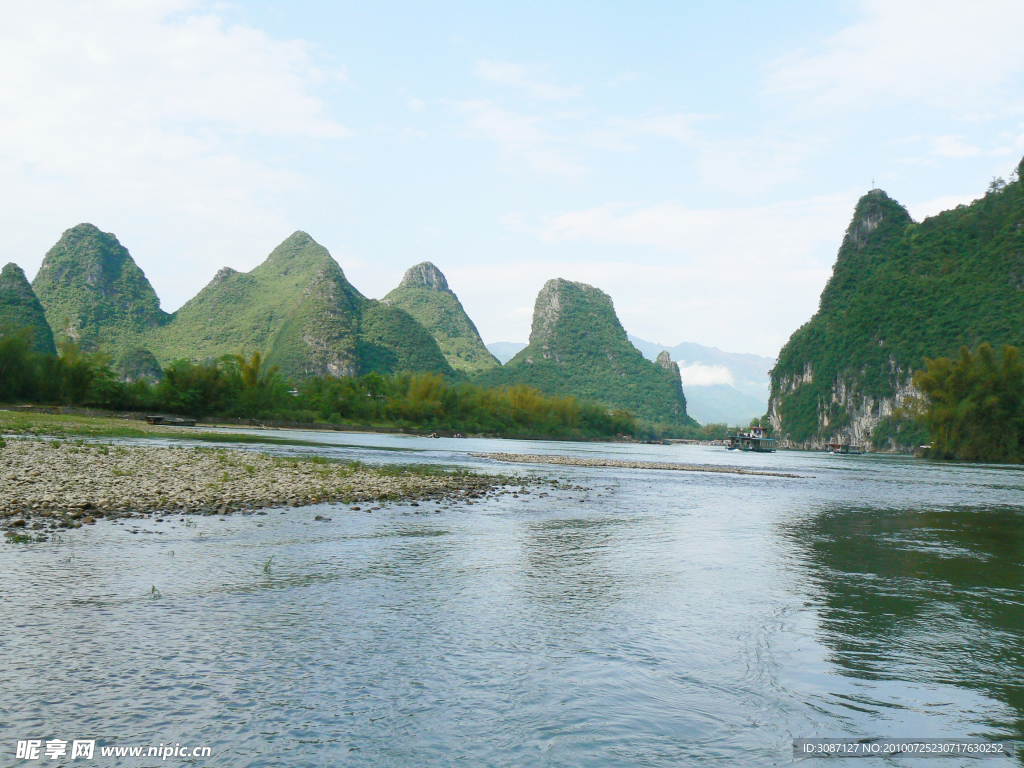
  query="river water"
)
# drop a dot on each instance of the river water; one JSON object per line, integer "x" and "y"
{"x": 639, "y": 618}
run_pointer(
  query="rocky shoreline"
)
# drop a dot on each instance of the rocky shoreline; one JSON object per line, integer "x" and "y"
{"x": 62, "y": 484}
{"x": 524, "y": 458}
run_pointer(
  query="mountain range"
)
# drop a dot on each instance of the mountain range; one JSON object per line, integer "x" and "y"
{"x": 721, "y": 387}
{"x": 298, "y": 309}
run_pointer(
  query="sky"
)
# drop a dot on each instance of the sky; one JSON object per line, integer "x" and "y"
{"x": 699, "y": 162}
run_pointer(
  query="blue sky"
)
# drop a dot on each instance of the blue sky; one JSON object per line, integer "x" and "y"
{"x": 698, "y": 162}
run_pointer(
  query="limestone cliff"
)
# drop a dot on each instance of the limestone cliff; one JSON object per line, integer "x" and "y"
{"x": 900, "y": 292}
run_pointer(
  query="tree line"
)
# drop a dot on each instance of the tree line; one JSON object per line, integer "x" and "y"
{"x": 246, "y": 387}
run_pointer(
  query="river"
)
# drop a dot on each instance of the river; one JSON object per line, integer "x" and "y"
{"x": 636, "y": 618}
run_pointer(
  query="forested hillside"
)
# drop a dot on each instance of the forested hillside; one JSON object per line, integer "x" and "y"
{"x": 900, "y": 292}
{"x": 21, "y": 312}
{"x": 424, "y": 294}
{"x": 578, "y": 347}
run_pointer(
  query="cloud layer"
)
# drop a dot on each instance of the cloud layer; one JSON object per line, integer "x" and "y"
{"x": 151, "y": 116}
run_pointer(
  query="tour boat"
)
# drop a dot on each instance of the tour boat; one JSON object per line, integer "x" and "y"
{"x": 753, "y": 439}
{"x": 845, "y": 449}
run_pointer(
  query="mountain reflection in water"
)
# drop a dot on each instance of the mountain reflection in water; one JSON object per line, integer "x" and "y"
{"x": 927, "y": 597}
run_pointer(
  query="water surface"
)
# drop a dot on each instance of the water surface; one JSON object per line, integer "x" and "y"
{"x": 639, "y": 618}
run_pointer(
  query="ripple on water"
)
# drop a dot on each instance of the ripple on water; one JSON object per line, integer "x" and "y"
{"x": 651, "y": 619}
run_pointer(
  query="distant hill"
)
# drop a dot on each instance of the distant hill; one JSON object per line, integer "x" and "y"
{"x": 424, "y": 294}
{"x": 505, "y": 350}
{"x": 900, "y": 292}
{"x": 578, "y": 347}
{"x": 20, "y": 308}
{"x": 750, "y": 373}
{"x": 94, "y": 293}
{"x": 721, "y": 387}
{"x": 722, "y": 404}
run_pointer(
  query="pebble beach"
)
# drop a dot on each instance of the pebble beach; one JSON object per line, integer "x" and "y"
{"x": 59, "y": 484}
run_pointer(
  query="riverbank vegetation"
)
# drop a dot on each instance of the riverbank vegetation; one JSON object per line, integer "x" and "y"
{"x": 973, "y": 405}
{"x": 234, "y": 386}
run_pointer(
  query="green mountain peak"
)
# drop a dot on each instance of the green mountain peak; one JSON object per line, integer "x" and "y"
{"x": 425, "y": 295}
{"x": 875, "y": 217}
{"x": 578, "y": 347}
{"x": 300, "y": 311}
{"x": 94, "y": 292}
{"x": 425, "y": 275}
{"x": 900, "y": 292}
{"x": 20, "y": 308}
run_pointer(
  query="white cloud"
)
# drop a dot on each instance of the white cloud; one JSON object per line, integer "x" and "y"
{"x": 139, "y": 117}
{"x": 677, "y": 127}
{"x": 626, "y": 77}
{"x": 953, "y": 146}
{"x": 520, "y": 137}
{"x": 921, "y": 211}
{"x": 938, "y": 51}
{"x": 700, "y": 375}
{"x": 782, "y": 232}
{"x": 518, "y": 76}
{"x": 743, "y": 164}
{"x": 416, "y": 105}
{"x": 1012, "y": 143}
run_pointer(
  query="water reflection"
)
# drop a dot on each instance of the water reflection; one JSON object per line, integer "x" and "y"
{"x": 931, "y": 598}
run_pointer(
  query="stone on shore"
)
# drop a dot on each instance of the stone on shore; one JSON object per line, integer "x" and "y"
{"x": 70, "y": 484}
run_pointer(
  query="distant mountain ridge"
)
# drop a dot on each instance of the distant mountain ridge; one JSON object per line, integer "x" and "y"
{"x": 735, "y": 401}
{"x": 750, "y": 373}
{"x": 505, "y": 350}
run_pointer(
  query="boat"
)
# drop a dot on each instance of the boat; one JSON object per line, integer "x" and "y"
{"x": 170, "y": 421}
{"x": 845, "y": 449}
{"x": 754, "y": 439}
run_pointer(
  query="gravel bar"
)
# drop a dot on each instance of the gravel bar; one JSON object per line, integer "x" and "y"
{"x": 572, "y": 461}
{"x": 64, "y": 485}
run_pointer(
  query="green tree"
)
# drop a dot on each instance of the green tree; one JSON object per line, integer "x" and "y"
{"x": 974, "y": 405}
{"x": 17, "y": 367}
